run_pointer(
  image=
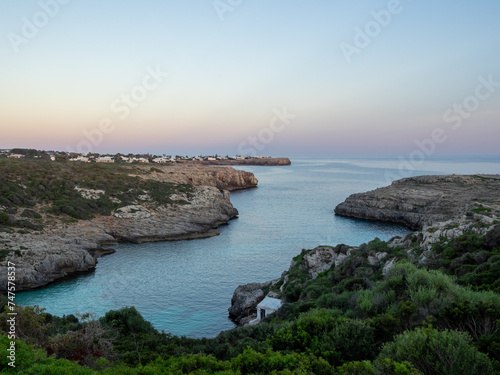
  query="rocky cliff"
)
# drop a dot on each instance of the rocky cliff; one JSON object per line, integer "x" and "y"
{"x": 66, "y": 246}
{"x": 423, "y": 200}
{"x": 224, "y": 178}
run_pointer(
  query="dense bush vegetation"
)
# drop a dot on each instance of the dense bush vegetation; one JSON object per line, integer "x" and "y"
{"x": 51, "y": 185}
{"x": 349, "y": 320}
{"x": 471, "y": 259}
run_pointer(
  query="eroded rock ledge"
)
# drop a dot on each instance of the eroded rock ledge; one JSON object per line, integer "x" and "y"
{"x": 424, "y": 200}
{"x": 224, "y": 178}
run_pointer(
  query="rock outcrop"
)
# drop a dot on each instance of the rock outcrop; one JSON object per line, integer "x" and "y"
{"x": 207, "y": 209}
{"x": 424, "y": 200}
{"x": 224, "y": 178}
{"x": 245, "y": 299}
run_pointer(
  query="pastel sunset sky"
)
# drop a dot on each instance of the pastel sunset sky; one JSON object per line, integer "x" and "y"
{"x": 281, "y": 77}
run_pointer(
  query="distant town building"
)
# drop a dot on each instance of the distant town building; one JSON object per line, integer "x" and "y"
{"x": 80, "y": 158}
{"x": 163, "y": 160}
{"x": 105, "y": 159}
{"x": 138, "y": 160}
{"x": 16, "y": 156}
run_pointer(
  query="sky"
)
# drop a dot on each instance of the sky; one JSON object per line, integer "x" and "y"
{"x": 260, "y": 77}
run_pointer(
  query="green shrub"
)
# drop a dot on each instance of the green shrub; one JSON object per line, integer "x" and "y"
{"x": 434, "y": 352}
{"x": 382, "y": 367}
{"x": 336, "y": 339}
{"x": 30, "y": 360}
{"x": 4, "y": 218}
{"x": 481, "y": 209}
{"x": 3, "y": 254}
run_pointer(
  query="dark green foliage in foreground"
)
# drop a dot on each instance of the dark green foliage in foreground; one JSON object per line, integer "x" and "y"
{"x": 434, "y": 352}
{"x": 349, "y": 320}
{"x": 474, "y": 260}
{"x": 28, "y": 182}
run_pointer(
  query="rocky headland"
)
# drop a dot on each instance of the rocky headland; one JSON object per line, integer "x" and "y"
{"x": 224, "y": 178}
{"x": 441, "y": 209}
{"x": 249, "y": 161}
{"x": 419, "y": 201}
{"x": 65, "y": 246}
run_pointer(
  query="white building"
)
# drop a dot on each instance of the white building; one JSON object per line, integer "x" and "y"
{"x": 266, "y": 307}
{"x": 16, "y": 156}
{"x": 138, "y": 160}
{"x": 163, "y": 160}
{"x": 105, "y": 159}
{"x": 80, "y": 158}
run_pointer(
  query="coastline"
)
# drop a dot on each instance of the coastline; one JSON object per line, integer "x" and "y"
{"x": 438, "y": 208}
{"x": 65, "y": 248}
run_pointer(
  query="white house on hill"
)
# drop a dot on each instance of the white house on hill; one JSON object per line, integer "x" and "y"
{"x": 266, "y": 307}
{"x": 105, "y": 159}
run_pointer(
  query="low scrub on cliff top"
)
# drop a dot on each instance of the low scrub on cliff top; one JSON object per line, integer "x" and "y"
{"x": 34, "y": 183}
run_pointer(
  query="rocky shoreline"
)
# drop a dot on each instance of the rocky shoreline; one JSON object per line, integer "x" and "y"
{"x": 439, "y": 208}
{"x": 62, "y": 249}
{"x": 424, "y": 200}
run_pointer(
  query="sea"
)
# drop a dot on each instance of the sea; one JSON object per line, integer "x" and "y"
{"x": 185, "y": 287}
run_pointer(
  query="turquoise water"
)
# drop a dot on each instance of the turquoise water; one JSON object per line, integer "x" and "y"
{"x": 185, "y": 287}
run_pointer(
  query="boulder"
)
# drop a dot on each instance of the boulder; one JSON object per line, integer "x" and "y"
{"x": 245, "y": 299}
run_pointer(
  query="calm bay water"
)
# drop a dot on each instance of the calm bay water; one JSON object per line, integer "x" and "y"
{"x": 185, "y": 287}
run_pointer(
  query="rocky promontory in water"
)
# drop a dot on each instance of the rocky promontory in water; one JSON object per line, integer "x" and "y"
{"x": 457, "y": 219}
{"x": 419, "y": 201}
{"x": 262, "y": 161}
{"x": 58, "y": 218}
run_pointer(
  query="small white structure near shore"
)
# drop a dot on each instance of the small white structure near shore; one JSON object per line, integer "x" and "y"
{"x": 266, "y": 307}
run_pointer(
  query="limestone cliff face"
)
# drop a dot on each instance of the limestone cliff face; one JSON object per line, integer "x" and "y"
{"x": 423, "y": 200}
{"x": 207, "y": 209}
{"x": 65, "y": 249}
{"x": 224, "y": 178}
